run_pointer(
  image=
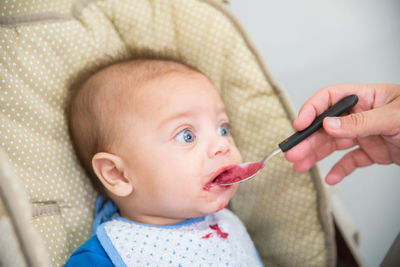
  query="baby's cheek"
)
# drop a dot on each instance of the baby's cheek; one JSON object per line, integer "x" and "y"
{"x": 235, "y": 188}
{"x": 237, "y": 155}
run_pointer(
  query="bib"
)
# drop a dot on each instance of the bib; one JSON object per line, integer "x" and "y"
{"x": 217, "y": 239}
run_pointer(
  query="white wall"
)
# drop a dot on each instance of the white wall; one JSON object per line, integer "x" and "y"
{"x": 309, "y": 44}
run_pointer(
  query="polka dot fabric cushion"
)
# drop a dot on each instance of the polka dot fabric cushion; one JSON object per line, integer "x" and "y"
{"x": 46, "y": 44}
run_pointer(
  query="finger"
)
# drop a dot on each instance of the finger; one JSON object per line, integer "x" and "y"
{"x": 326, "y": 97}
{"x": 347, "y": 164}
{"x": 376, "y": 149}
{"x": 306, "y": 147}
{"x": 321, "y": 101}
{"x": 306, "y": 115}
{"x": 305, "y": 164}
{"x": 320, "y": 144}
{"x": 300, "y": 151}
{"x": 317, "y": 154}
{"x": 378, "y": 121}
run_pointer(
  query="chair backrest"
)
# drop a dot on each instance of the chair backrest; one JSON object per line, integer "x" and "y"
{"x": 45, "y": 45}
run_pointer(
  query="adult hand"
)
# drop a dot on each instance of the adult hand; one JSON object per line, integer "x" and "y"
{"x": 372, "y": 126}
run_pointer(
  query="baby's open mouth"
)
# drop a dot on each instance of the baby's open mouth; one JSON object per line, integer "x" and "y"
{"x": 229, "y": 175}
{"x": 234, "y": 174}
{"x": 221, "y": 175}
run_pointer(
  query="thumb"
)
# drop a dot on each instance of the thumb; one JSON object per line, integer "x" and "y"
{"x": 371, "y": 122}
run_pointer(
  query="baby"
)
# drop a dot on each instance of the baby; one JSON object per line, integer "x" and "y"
{"x": 154, "y": 135}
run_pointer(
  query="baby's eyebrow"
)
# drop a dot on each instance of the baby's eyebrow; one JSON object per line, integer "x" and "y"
{"x": 185, "y": 114}
{"x": 175, "y": 116}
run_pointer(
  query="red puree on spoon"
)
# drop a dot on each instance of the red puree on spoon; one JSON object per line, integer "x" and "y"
{"x": 237, "y": 173}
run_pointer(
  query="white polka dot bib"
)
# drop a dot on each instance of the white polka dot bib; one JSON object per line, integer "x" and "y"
{"x": 218, "y": 239}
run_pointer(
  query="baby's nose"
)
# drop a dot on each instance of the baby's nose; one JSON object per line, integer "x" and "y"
{"x": 219, "y": 147}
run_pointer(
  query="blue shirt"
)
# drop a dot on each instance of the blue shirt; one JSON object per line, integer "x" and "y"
{"x": 90, "y": 254}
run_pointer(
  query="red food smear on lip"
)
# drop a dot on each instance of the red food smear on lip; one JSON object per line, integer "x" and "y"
{"x": 238, "y": 173}
{"x": 219, "y": 231}
{"x": 207, "y": 187}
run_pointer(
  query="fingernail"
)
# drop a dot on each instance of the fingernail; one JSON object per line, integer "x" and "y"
{"x": 333, "y": 122}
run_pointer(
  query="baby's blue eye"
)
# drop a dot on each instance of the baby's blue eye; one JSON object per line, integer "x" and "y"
{"x": 186, "y": 136}
{"x": 223, "y": 130}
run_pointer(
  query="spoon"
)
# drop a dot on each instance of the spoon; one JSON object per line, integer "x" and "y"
{"x": 248, "y": 170}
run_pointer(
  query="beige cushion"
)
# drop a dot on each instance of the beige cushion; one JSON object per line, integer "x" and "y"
{"x": 44, "y": 45}
{"x": 20, "y": 243}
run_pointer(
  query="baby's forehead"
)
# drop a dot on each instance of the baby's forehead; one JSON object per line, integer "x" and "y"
{"x": 177, "y": 84}
{"x": 125, "y": 87}
{"x": 172, "y": 83}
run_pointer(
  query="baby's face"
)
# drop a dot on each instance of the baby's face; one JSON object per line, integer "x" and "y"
{"x": 176, "y": 140}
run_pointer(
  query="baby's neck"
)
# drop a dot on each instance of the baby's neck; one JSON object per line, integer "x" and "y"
{"x": 152, "y": 220}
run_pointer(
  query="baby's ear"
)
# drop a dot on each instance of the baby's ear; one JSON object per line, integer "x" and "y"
{"x": 110, "y": 170}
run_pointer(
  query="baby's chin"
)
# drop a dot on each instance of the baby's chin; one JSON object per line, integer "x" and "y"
{"x": 221, "y": 206}
{"x": 211, "y": 210}
{"x": 216, "y": 201}
{"x": 218, "y": 205}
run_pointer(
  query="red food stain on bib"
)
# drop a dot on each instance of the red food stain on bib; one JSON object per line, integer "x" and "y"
{"x": 216, "y": 228}
{"x": 207, "y": 236}
{"x": 219, "y": 231}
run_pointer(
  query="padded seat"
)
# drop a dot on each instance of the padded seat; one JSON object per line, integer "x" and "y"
{"x": 46, "y": 45}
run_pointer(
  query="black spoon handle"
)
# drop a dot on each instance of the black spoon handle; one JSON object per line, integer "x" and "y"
{"x": 337, "y": 109}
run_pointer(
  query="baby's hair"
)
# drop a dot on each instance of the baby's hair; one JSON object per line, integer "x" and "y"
{"x": 89, "y": 115}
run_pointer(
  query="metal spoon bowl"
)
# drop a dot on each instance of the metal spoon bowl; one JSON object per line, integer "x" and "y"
{"x": 259, "y": 166}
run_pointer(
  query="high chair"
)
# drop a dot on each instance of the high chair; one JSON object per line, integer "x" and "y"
{"x": 47, "y": 202}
